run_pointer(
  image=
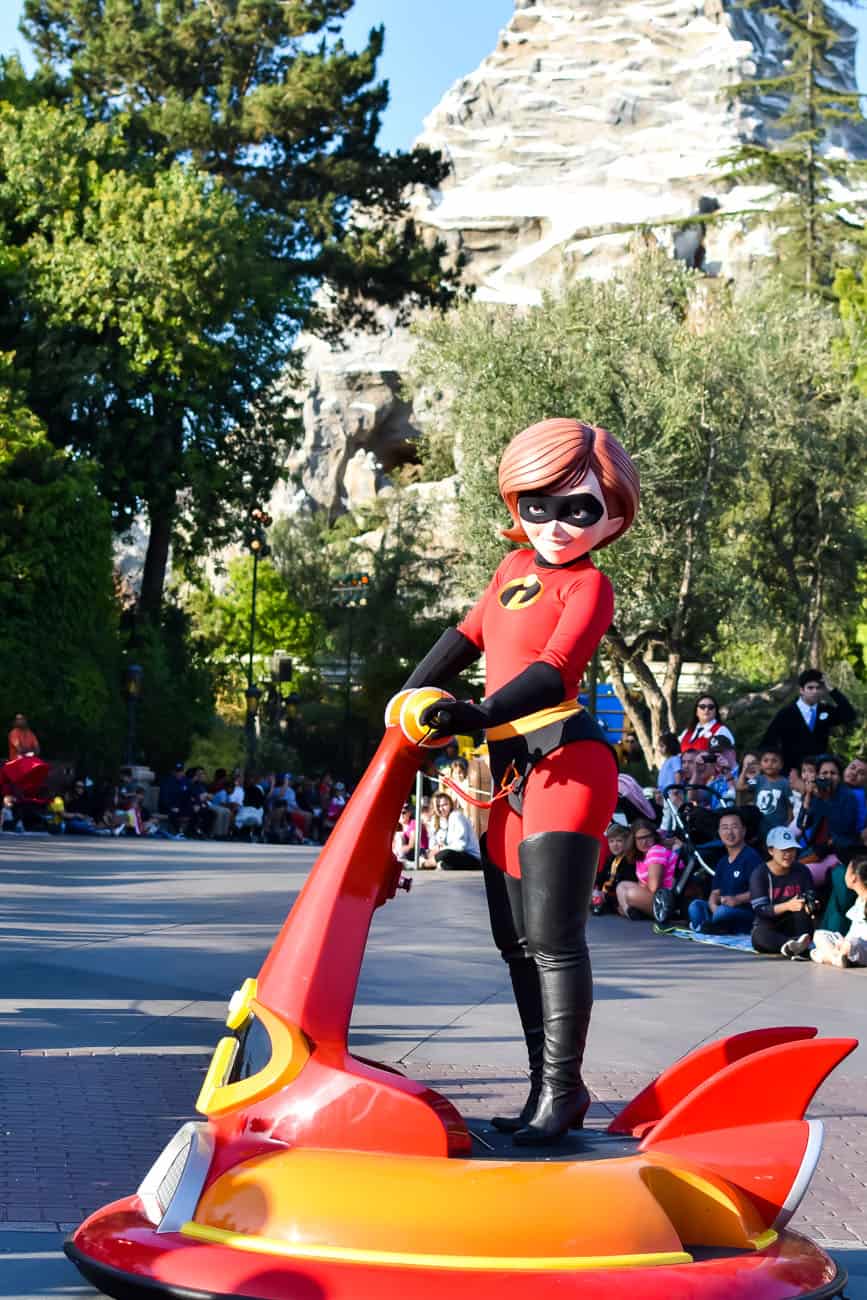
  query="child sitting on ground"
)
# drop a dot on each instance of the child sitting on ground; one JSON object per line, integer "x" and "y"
{"x": 834, "y": 949}
{"x": 613, "y": 869}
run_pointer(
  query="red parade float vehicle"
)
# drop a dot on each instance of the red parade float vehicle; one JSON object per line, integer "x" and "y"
{"x": 318, "y": 1175}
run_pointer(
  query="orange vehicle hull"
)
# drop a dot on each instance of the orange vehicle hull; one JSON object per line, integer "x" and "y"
{"x": 319, "y": 1176}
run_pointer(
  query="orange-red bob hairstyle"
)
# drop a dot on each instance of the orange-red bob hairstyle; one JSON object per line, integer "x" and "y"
{"x": 555, "y": 454}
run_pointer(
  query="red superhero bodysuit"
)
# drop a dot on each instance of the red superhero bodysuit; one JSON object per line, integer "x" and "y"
{"x": 537, "y": 613}
{"x": 570, "y": 488}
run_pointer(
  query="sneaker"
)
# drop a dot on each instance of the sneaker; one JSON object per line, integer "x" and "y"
{"x": 797, "y": 949}
{"x": 636, "y": 914}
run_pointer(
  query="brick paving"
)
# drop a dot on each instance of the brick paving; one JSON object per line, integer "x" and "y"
{"x": 79, "y": 1128}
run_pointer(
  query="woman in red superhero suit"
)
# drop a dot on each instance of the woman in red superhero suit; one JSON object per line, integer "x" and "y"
{"x": 570, "y": 489}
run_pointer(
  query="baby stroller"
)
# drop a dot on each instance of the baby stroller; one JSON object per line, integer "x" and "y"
{"x": 22, "y": 786}
{"x": 695, "y": 825}
{"x": 632, "y": 802}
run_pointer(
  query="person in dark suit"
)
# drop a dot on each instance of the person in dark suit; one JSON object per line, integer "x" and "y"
{"x": 802, "y": 728}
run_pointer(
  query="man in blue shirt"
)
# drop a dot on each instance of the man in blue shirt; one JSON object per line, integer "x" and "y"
{"x": 728, "y": 910}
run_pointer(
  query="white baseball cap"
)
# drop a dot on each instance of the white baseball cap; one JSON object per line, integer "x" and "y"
{"x": 781, "y": 838}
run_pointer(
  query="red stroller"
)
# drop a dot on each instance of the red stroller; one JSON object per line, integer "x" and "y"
{"x": 23, "y": 779}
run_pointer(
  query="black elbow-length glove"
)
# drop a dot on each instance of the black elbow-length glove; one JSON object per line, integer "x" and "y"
{"x": 539, "y": 686}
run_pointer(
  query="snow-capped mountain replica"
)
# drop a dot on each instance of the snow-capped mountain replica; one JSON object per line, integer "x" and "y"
{"x": 590, "y": 119}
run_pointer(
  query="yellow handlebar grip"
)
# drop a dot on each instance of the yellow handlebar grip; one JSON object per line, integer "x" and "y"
{"x": 410, "y": 716}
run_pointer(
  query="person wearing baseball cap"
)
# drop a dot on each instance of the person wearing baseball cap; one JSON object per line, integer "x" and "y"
{"x": 783, "y": 899}
{"x": 780, "y": 837}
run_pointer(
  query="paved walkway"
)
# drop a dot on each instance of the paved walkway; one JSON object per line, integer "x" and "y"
{"x": 117, "y": 958}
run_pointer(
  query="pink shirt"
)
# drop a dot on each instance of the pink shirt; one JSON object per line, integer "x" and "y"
{"x": 658, "y": 854}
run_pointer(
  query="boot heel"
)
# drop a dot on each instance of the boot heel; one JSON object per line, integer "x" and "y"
{"x": 554, "y": 1117}
{"x": 578, "y": 1121}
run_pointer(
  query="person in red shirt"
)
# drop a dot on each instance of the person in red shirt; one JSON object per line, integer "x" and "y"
{"x": 570, "y": 488}
{"x": 704, "y": 724}
{"x": 21, "y": 739}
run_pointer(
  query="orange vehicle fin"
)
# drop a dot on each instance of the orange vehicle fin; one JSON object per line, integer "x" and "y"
{"x": 659, "y": 1097}
{"x": 764, "y": 1088}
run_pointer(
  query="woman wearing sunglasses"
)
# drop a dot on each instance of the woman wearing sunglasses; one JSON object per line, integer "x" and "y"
{"x": 570, "y": 489}
{"x": 704, "y": 724}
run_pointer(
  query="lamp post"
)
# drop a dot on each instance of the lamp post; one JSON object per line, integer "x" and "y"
{"x": 132, "y": 683}
{"x": 351, "y": 591}
{"x": 259, "y": 549}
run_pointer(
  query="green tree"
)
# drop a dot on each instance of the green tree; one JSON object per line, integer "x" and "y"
{"x": 59, "y": 650}
{"x": 250, "y": 162}
{"x": 222, "y": 618}
{"x": 749, "y": 439}
{"x": 178, "y": 694}
{"x": 408, "y": 605}
{"x": 793, "y": 154}
{"x": 143, "y": 319}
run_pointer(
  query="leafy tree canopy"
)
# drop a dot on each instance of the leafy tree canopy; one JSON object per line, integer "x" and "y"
{"x": 145, "y": 325}
{"x": 222, "y": 618}
{"x": 263, "y": 94}
{"x": 749, "y": 439}
{"x": 59, "y": 657}
{"x": 407, "y": 608}
{"x": 193, "y": 173}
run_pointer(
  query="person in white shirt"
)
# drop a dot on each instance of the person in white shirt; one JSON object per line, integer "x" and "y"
{"x": 455, "y": 846}
{"x": 834, "y": 949}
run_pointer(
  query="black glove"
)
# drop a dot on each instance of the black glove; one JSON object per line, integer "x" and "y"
{"x": 538, "y": 687}
{"x": 447, "y": 717}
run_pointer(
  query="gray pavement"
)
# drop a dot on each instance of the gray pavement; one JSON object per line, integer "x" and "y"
{"x": 117, "y": 959}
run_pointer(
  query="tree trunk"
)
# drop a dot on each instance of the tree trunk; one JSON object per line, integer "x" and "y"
{"x": 161, "y": 506}
{"x": 656, "y": 713}
{"x": 161, "y": 516}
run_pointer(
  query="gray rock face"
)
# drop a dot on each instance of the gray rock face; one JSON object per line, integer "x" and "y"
{"x": 590, "y": 117}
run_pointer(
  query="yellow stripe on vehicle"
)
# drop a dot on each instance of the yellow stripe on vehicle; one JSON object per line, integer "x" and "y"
{"x": 406, "y": 1259}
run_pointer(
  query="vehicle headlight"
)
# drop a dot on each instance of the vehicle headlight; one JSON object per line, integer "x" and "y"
{"x": 171, "y": 1188}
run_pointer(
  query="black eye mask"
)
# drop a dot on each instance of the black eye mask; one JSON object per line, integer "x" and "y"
{"x": 582, "y": 510}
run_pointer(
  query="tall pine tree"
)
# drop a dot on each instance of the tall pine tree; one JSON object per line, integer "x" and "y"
{"x": 793, "y": 153}
{"x": 263, "y": 106}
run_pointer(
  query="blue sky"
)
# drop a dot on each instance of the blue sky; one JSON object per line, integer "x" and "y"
{"x": 428, "y": 46}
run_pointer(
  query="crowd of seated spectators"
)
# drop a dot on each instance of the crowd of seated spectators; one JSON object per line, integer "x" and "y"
{"x": 784, "y": 828}
{"x": 266, "y": 808}
{"x": 269, "y": 807}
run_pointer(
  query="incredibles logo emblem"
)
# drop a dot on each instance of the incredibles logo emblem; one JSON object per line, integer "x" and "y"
{"x": 520, "y": 593}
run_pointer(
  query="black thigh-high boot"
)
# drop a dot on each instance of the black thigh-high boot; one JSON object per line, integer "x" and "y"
{"x": 557, "y": 873}
{"x": 507, "y": 926}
